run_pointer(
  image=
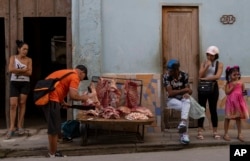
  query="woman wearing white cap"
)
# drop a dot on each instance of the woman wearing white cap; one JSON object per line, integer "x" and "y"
{"x": 210, "y": 70}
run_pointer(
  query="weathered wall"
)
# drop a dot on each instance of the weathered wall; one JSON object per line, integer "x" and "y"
{"x": 124, "y": 38}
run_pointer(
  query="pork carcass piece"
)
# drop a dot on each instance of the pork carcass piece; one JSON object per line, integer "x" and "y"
{"x": 92, "y": 113}
{"x": 143, "y": 110}
{"x": 94, "y": 94}
{"x": 102, "y": 87}
{"x": 136, "y": 116}
{"x": 82, "y": 114}
{"x": 107, "y": 93}
{"x": 131, "y": 93}
{"x": 109, "y": 113}
{"x": 93, "y": 100}
{"x": 114, "y": 94}
{"x": 124, "y": 109}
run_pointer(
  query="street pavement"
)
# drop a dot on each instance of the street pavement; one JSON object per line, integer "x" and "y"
{"x": 34, "y": 143}
{"x": 216, "y": 153}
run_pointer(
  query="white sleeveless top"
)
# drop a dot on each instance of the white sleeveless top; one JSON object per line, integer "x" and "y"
{"x": 20, "y": 78}
{"x": 211, "y": 70}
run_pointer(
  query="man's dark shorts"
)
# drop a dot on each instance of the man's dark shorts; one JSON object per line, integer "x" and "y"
{"x": 53, "y": 117}
{"x": 17, "y": 88}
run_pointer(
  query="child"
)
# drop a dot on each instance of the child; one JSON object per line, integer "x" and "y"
{"x": 235, "y": 107}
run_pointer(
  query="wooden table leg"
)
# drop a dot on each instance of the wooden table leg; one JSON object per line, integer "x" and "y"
{"x": 84, "y": 135}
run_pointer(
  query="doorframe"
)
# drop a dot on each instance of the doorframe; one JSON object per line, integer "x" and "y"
{"x": 14, "y": 30}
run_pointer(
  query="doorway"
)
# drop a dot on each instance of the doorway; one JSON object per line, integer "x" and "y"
{"x": 180, "y": 40}
{"x": 46, "y": 37}
{"x": 2, "y": 72}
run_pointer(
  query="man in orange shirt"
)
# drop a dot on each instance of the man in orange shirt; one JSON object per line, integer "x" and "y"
{"x": 68, "y": 85}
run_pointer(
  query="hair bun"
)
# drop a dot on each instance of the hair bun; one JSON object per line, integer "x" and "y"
{"x": 18, "y": 42}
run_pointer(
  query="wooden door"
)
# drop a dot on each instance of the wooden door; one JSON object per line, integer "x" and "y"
{"x": 180, "y": 40}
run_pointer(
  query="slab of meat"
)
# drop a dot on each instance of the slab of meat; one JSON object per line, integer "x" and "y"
{"x": 143, "y": 110}
{"x": 82, "y": 114}
{"x": 107, "y": 92}
{"x": 102, "y": 87}
{"x": 136, "y": 116}
{"x": 109, "y": 113}
{"x": 124, "y": 109}
{"x": 93, "y": 101}
{"x": 132, "y": 96}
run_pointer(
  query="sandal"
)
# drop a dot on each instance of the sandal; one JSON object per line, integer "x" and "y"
{"x": 240, "y": 138}
{"x": 9, "y": 135}
{"x": 21, "y": 131}
{"x": 226, "y": 137}
{"x": 200, "y": 136}
{"x": 216, "y": 136}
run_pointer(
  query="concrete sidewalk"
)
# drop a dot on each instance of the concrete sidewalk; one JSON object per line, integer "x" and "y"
{"x": 35, "y": 143}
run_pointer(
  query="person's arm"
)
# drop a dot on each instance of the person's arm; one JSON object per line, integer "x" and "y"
{"x": 218, "y": 73}
{"x": 13, "y": 69}
{"x": 187, "y": 85}
{"x": 244, "y": 91}
{"x": 172, "y": 93}
{"x": 28, "y": 72}
{"x": 229, "y": 88}
{"x": 203, "y": 68}
{"x": 190, "y": 91}
{"x": 74, "y": 95}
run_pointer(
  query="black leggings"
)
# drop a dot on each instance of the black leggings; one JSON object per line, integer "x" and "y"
{"x": 212, "y": 103}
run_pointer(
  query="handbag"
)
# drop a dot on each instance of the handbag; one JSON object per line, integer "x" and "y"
{"x": 206, "y": 87}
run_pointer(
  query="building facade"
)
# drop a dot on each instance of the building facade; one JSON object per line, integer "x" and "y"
{"x": 135, "y": 38}
{"x": 131, "y": 39}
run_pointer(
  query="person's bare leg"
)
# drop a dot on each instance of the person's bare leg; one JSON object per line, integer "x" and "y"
{"x": 226, "y": 127}
{"x": 13, "y": 108}
{"x": 238, "y": 124}
{"x": 22, "y": 109}
{"x": 52, "y": 143}
{"x": 199, "y": 135}
{"x": 13, "y": 111}
{"x": 215, "y": 133}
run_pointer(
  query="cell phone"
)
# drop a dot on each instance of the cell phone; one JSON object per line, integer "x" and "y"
{"x": 244, "y": 92}
{"x": 89, "y": 89}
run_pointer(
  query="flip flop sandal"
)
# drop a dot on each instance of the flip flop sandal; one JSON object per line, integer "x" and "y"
{"x": 240, "y": 138}
{"x": 9, "y": 135}
{"x": 216, "y": 136}
{"x": 226, "y": 137}
{"x": 21, "y": 131}
{"x": 200, "y": 136}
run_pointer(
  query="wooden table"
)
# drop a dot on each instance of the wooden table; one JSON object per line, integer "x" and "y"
{"x": 139, "y": 133}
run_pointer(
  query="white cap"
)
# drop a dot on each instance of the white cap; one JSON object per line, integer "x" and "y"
{"x": 213, "y": 50}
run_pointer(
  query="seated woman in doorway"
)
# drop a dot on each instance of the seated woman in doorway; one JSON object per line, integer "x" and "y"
{"x": 20, "y": 67}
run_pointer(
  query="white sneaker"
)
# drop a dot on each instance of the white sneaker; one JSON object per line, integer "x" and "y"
{"x": 184, "y": 138}
{"x": 182, "y": 128}
{"x": 57, "y": 154}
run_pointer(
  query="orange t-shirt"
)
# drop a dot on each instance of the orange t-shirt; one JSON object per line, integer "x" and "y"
{"x": 62, "y": 88}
